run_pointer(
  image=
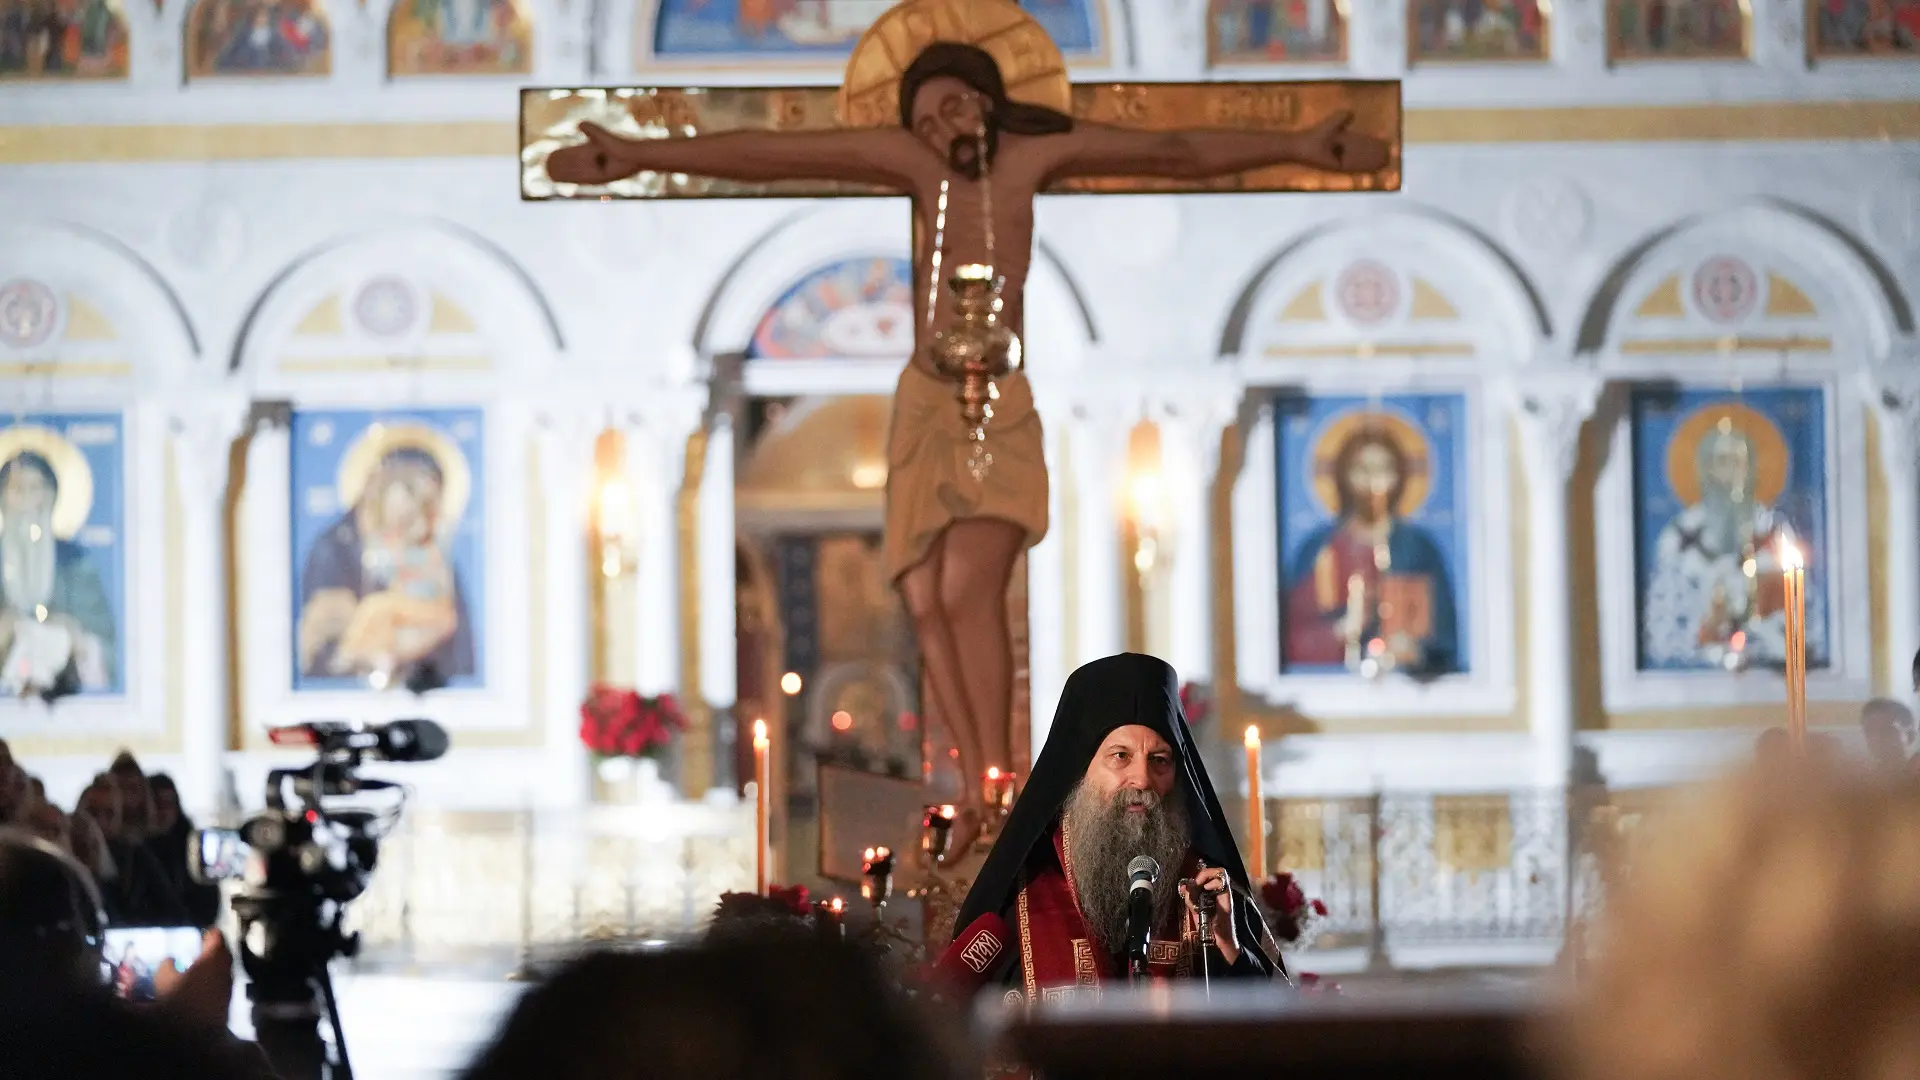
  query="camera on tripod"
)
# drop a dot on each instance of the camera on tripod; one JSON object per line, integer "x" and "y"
{"x": 300, "y": 861}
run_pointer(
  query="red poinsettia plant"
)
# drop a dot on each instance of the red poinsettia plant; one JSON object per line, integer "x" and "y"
{"x": 617, "y": 722}
{"x": 781, "y": 902}
{"x": 1290, "y": 914}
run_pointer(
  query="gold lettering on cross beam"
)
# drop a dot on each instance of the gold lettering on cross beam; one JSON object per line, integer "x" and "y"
{"x": 1258, "y": 106}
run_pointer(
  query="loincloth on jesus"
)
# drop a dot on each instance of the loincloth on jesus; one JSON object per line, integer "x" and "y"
{"x": 1119, "y": 777}
{"x": 929, "y": 482}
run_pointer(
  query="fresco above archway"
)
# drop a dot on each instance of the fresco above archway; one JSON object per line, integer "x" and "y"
{"x": 859, "y": 308}
{"x": 253, "y": 37}
{"x": 89, "y": 40}
{"x": 459, "y": 37}
{"x": 825, "y": 29}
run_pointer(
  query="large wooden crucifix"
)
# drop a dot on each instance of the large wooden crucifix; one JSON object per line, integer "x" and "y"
{"x": 965, "y": 107}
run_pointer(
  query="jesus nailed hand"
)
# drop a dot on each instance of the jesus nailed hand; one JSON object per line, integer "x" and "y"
{"x": 972, "y": 160}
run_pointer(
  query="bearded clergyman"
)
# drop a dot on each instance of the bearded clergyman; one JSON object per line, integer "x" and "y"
{"x": 1051, "y": 913}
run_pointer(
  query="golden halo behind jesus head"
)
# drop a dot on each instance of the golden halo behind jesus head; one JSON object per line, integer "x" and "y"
{"x": 1030, "y": 63}
{"x": 1387, "y": 427}
{"x": 381, "y": 440}
{"x": 71, "y": 473}
{"x": 1762, "y": 435}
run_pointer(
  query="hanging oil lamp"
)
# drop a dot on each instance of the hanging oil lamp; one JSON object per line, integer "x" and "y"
{"x": 974, "y": 350}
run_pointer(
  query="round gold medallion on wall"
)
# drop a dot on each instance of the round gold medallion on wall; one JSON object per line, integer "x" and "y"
{"x": 1030, "y": 63}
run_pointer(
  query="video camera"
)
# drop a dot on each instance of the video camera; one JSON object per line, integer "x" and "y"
{"x": 301, "y": 861}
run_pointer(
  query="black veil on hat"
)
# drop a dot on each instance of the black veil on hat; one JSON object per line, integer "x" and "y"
{"x": 1108, "y": 693}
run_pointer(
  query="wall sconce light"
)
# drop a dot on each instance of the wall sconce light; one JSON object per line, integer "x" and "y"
{"x": 1147, "y": 507}
{"x": 616, "y": 518}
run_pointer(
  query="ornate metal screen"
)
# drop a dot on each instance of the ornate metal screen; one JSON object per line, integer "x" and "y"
{"x": 1397, "y": 870}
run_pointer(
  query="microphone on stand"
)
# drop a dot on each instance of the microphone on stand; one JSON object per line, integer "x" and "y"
{"x": 1142, "y": 874}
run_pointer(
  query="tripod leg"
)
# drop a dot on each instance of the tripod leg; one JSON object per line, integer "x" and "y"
{"x": 289, "y": 1034}
{"x": 344, "y": 1069}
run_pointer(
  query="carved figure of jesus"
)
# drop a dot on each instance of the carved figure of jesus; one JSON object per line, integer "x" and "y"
{"x": 971, "y": 160}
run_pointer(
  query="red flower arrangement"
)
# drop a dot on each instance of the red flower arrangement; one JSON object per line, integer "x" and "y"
{"x": 782, "y": 904}
{"x": 616, "y": 722}
{"x": 1290, "y": 915}
{"x": 1195, "y": 702}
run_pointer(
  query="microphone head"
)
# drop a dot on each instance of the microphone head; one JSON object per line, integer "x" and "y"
{"x": 413, "y": 740}
{"x": 1143, "y": 867}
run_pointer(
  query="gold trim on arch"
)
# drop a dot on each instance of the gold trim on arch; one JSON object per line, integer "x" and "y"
{"x": 1730, "y": 344}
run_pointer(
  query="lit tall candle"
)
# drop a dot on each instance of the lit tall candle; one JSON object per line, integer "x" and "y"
{"x": 1256, "y": 815}
{"x": 1793, "y": 569}
{"x": 762, "y": 806}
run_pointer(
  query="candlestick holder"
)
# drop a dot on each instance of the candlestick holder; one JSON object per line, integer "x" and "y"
{"x": 996, "y": 789}
{"x": 876, "y": 877}
{"x": 829, "y": 917}
{"x": 936, "y": 833}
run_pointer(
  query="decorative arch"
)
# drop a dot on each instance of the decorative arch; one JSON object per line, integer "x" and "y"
{"x": 1757, "y": 319}
{"x": 422, "y": 299}
{"x": 1764, "y": 276}
{"x": 1423, "y": 286}
{"x": 78, "y": 304}
{"x": 486, "y": 37}
{"x": 798, "y": 249}
{"x": 857, "y": 308}
{"x": 221, "y": 41}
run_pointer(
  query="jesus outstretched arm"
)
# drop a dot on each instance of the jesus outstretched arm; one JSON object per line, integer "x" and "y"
{"x": 883, "y": 156}
{"x": 1092, "y": 149}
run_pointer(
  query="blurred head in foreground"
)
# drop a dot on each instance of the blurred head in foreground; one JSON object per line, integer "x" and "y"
{"x": 741, "y": 1006}
{"x": 1770, "y": 932}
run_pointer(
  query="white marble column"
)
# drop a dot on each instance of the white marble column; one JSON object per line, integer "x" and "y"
{"x": 1190, "y": 460}
{"x": 202, "y": 435}
{"x": 656, "y": 440}
{"x": 1549, "y": 410}
{"x": 567, "y": 435}
{"x": 1098, "y": 445}
{"x": 1895, "y": 394}
{"x": 1047, "y": 612}
{"x": 714, "y": 573}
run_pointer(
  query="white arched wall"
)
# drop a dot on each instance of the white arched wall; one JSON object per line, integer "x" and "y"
{"x": 1056, "y": 331}
{"x": 1833, "y": 326}
{"x": 1058, "y": 335}
{"x": 1857, "y": 309}
{"x": 121, "y": 346}
{"x": 1464, "y": 322}
{"x": 478, "y": 337}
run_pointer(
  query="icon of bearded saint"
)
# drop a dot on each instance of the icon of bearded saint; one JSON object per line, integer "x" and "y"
{"x": 1119, "y": 777}
{"x": 56, "y": 625}
{"x": 1699, "y": 594}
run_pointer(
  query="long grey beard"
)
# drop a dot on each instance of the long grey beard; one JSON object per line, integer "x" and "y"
{"x": 1729, "y": 521}
{"x": 26, "y": 563}
{"x": 1103, "y": 837}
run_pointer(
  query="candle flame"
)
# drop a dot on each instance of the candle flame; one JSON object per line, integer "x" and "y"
{"x": 946, "y": 810}
{"x": 759, "y": 734}
{"x": 1790, "y": 558}
{"x": 838, "y": 905}
{"x": 993, "y": 772}
{"x": 1253, "y": 737}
